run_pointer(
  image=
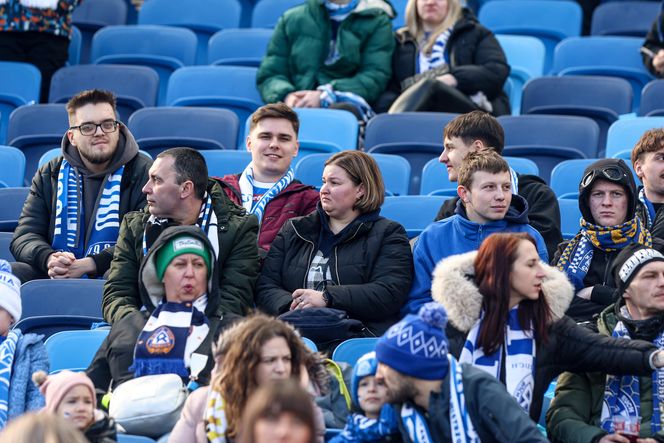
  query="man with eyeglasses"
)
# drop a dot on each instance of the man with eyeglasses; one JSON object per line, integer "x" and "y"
{"x": 71, "y": 218}
{"x": 648, "y": 162}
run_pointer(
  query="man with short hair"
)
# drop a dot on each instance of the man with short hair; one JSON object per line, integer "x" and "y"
{"x": 486, "y": 206}
{"x": 479, "y": 130}
{"x": 588, "y": 406}
{"x": 71, "y": 217}
{"x": 439, "y": 399}
{"x": 179, "y": 193}
{"x": 267, "y": 187}
{"x": 648, "y": 162}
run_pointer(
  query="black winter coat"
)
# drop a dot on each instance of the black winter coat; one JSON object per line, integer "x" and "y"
{"x": 102, "y": 430}
{"x": 372, "y": 267}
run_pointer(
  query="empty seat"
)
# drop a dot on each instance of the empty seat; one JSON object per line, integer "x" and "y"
{"x": 567, "y": 175}
{"x": 522, "y": 165}
{"x": 75, "y": 47}
{"x": 135, "y": 87}
{"x": 652, "y": 99}
{"x": 436, "y": 181}
{"x": 426, "y": 127}
{"x": 624, "y": 134}
{"x": 71, "y": 296}
{"x": 220, "y": 163}
{"x": 5, "y": 240}
{"x": 73, "y": 350}
{"x": 90, "y": 16}
{"x": 48, "y": 325}
{"x": 414, "y": 212}
{"x": 350, "y": 351}
{"x": 11, "y": 205}
{"x": 570, "y": 216}
{"x": 238, "y": 47}
{"x": 19, "y": 86}
{"x": 627, "y": 18}
{"x": 266, "y": 13}
{"x": 13, "y": 167}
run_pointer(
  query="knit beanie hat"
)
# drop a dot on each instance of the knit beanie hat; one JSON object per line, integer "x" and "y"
{"x": 365, "y": 366}
{"x": 10, "y": 291}
{"x": 629, "y": 262}
{"x": 612, "y": 170}
{"x": 54, "y": 387}
{"x": 182, "y": 244}
{"x": 417, "y": 345}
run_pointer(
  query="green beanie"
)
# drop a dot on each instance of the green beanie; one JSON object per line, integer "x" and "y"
{"x": 182, "y": 244}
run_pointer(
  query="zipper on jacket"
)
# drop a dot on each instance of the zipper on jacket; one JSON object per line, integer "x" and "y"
{"x": 304, "y": 280}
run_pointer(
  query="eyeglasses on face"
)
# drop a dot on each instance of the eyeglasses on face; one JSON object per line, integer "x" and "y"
{"x": 611, "y": 173}
{"x": 107, "y": 126}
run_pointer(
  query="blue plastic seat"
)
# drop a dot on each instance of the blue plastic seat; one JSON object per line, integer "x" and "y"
{"x": 135, "y": 87}
{"x": 414, "y": 212}
{"x": 407, "y": 127}
{"x": 350, "y": 351}
{"x": 48, "y": 325}
{"x": 627, "y": 18}
{"x": 522, "y": 165}
{"x": 75, "y": 47}
{"x": 238, "y": 47}
{"x": 604, "y": 56}
{"x": 310, "y": 344}
{"x": 91, "y": 16}
{"x": 570, "y": 216}
{"x": 19, "y": 86}
{"x": 549, "y": 20}
{"x": 11, "y": 205}
{"x": 266, "y": 13}
{"x": 435, "y": 180}
{"x": 12, "y": 172}
{"x": 127, "y": 438}
{"x": 156, "y": 129}
{"x": 71, "y": 296}
{"x": 36, "y": 129}
{"x": 5, "y": 240}
{"x": 48, "y": 156}
{"x": 73, "y": 350}
{"x": 162, "y": 48}
{"x": 603, "y": 99}
{"x": 417, "y": 154}
{"x": 624, "y": 134}
{"x": 525, "y": 56}
{"x": 400, "y": 8}
{"x": 567, "y": 175}
{"x": 229, "y": 87}
{"x": 225, "y": 162}
{"x": 652, "y": 99}
{"x": 204, "y": 17}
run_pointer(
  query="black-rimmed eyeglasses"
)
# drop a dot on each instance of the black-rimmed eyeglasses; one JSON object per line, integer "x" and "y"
{"x": 611, "y": 173}
{"x": 107, "y": 126}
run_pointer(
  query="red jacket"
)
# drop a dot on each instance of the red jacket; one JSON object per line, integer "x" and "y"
{"x": 294, "y": 201}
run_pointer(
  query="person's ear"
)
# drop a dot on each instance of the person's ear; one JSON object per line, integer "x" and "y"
{"x": 463, "y": 193}
{"x": 187, "y": 189}
{"x": 70, "y": 137}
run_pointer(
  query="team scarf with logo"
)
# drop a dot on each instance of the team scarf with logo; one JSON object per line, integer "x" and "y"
{"x": 622, "y": 396}
{"x": 171, "y": 335}
{"x": 519, "y": 361}
{"x": 70, "y": 229}
{"x": 575, "y": 259}
{"x": 247, "y": 190}
{"x": 7, "y": 354}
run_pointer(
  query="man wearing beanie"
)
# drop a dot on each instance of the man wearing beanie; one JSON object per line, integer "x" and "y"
{"x": 592, "y": 407}
{"x": 439, "y": 399}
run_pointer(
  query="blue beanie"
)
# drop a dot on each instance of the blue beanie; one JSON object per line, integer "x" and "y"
{"x": 365, "y": 366}
{"x": 417, "y": 345}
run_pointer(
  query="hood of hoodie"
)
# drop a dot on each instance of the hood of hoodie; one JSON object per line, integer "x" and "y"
{"x": 454, "y": 287}
{"x": 626, "y": 181}
{"x": 152, "y": 290}
{"x": 516, "y": 213}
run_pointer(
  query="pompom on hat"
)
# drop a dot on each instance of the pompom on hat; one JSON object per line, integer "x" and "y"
{"x": 56, "y": 386}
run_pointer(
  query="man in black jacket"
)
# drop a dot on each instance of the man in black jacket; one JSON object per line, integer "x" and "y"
{"x": 479, "y": 130}
{"x": 71, "y": 218}
{"x": 648, "y": 162}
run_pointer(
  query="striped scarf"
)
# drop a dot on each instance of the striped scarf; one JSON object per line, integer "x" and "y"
{"x": 519, "y": 362}
{"x": 437, "y": 57}
{"x": 650, "y": 208}
{"x": 338, "y": 12}
{"x": 7, "y": 354}
{"x": 330, "y": 96}
{"x": 247, "y": 190}
{"x": 69, "y": 233}
{"x": 575, "y": 259}
{"x": 215, "y": 418}
{"x": 462, "y": 427}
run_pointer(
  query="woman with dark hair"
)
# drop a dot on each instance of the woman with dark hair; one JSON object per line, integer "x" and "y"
{"x": 506, "y": 316}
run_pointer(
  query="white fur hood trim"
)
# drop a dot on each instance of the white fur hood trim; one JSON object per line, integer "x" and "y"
{"x": 454, "y": 288}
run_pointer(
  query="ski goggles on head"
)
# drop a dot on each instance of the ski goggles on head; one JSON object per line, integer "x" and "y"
{"x": 610, "y": 173}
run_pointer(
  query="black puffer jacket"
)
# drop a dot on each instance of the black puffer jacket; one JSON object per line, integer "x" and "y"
{"x": 476, "y": 61}
{"x": 102, "y": 430}
{"x": 372, "y": 267}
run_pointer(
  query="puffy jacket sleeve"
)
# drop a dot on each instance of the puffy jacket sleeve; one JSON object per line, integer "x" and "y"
{"x": 273, "y": 79}
{"x": 387, "y": 287}
{"x": 271, "y": 297}
{"x": 654, "y": 44}
{"x": 191, "y": 425}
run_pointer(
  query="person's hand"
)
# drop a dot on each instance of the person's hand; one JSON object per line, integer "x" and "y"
{"x": 58, "y": 264}
{"x": 448, "y": 79}
{"x": 307, "y": 99}
{"x": 293, "y": 97}
{"x": 614, "y": 438}
{"x": 646, "y": 440}
{"x": 81, "y": 267}
{"x": 585, "y": 293}
{"x": 658, "y": 61}
{"x": 307, "y": 298}
{"x": 658, "y": 359}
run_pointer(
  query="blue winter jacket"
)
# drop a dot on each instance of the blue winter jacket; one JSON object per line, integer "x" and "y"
{"x": 456, "y": 235}
{"x": 30, "y": 357}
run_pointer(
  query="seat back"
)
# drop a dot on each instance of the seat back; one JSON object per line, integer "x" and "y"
{"x": 407, "y": 127}
{"x": 238, "y": 47}
{"x": 73, "y": 350}
{"x": 624, "y": 134}
{"x": 20, "y": 86}
{"x": 11, "y": 205}
{"x": 526, "y": 56}
{"x": 48, "y": 325}
{"x": 266, "y": 13}
{"x": 13, "y": 166}
{"x": 62, "y": 297}
{"x": 523, "y": 165}
{"x": 350, "y": 351}
{"x": 570, "y": 216}
{"x": 5, "y": 240}
{"x": 93, "y": 15}
{"x": 627, "y": 18}
{"x": 435, "y": 179}
{"x": 414, "y": 212}
{"x": 225, "y": 162}
{"x": 75, "y": 46}
{"x": 567, "y": 175}
{"x": 652, "y": 99}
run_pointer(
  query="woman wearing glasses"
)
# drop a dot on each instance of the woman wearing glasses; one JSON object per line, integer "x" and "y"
{"x": 608, "y": 202}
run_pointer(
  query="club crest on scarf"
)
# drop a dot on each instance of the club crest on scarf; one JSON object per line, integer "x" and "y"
{"x": 161, "y": 341}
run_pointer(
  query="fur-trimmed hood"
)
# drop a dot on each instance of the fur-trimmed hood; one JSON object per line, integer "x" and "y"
{"x": 454, "y": 288}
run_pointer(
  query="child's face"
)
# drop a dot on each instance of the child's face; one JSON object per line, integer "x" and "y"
{"x": 372, "y": 395}
{"x": 6, "y": 321}
{"x": 78, "y": 406}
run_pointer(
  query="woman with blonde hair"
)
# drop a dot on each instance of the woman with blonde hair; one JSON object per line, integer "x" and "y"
{"x": 445, "y": 61}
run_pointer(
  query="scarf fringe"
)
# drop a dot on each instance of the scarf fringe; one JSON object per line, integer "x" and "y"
{"x": 153, "y": 366}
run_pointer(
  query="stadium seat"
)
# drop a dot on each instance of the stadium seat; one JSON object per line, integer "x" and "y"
{"x": 48, "y": 325}
{"x": 36, "y": 129}
{"x": 156, "y": 129}
{"x": 624, "y": 134}
{"x": 5, "y": 240}
{"x": 567, "y": 175}
{"x": 627, "y": 18}
{"x": 570, "y": 214}
{"x": 549, "y": 20}
{"x": 604, "y": 56}
{"x": 238, "y": 47}
{"x": 135, "y": 87}
{"x": 350, "y": 351}
{"x": 162, "y": 48}
{"x": 127, "y": 438}
{"x": 400, "y": 8}
{"x": 417, "y": 154}
{"x": 13, "y": 167}
{"x": 407, "y": 127}
{"x": 225, "y": 162}
{"x": 266, "y": 13}
{"x": 414, "y": 212}
{"x": 310, "y": 344}
{"x": 652, "y": 99}
{"x": 75, "y": 47}
{"x": 11, "y": 205}
{"x": 603, "y": 99}
{"x": 229, "y": 87}
{"x": 525, "y": 56}
{"x": 20, "y": 86}
{"x": 204, "y": 17}
{"x": 435, "y": 180}
{"x": 522, "y": 165}
{"x": 72, "y": 296}
{"x": 48, "y": 156}
{"x": 90, "y": 16}
{"x": 73, "y": 350}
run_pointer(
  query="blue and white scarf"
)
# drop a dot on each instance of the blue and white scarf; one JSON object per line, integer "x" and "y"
{"x": 247, "y": 190}
{"x": 7, "y": 353}
{"x": 437, "y": 57}
{"x": 171, "y": 335}
{"x": 415, "y": 424}
{"x": 650, "y": 208}
{"x": 461, "y": 425}
{"x": 519, "y": 362}
{"x": 330, "y": 96}
{"x": 338, "y": 12}
{"x": 622, "y": 395}
{"x": 70, "y": 229}
{"x": 515, "y": 181}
